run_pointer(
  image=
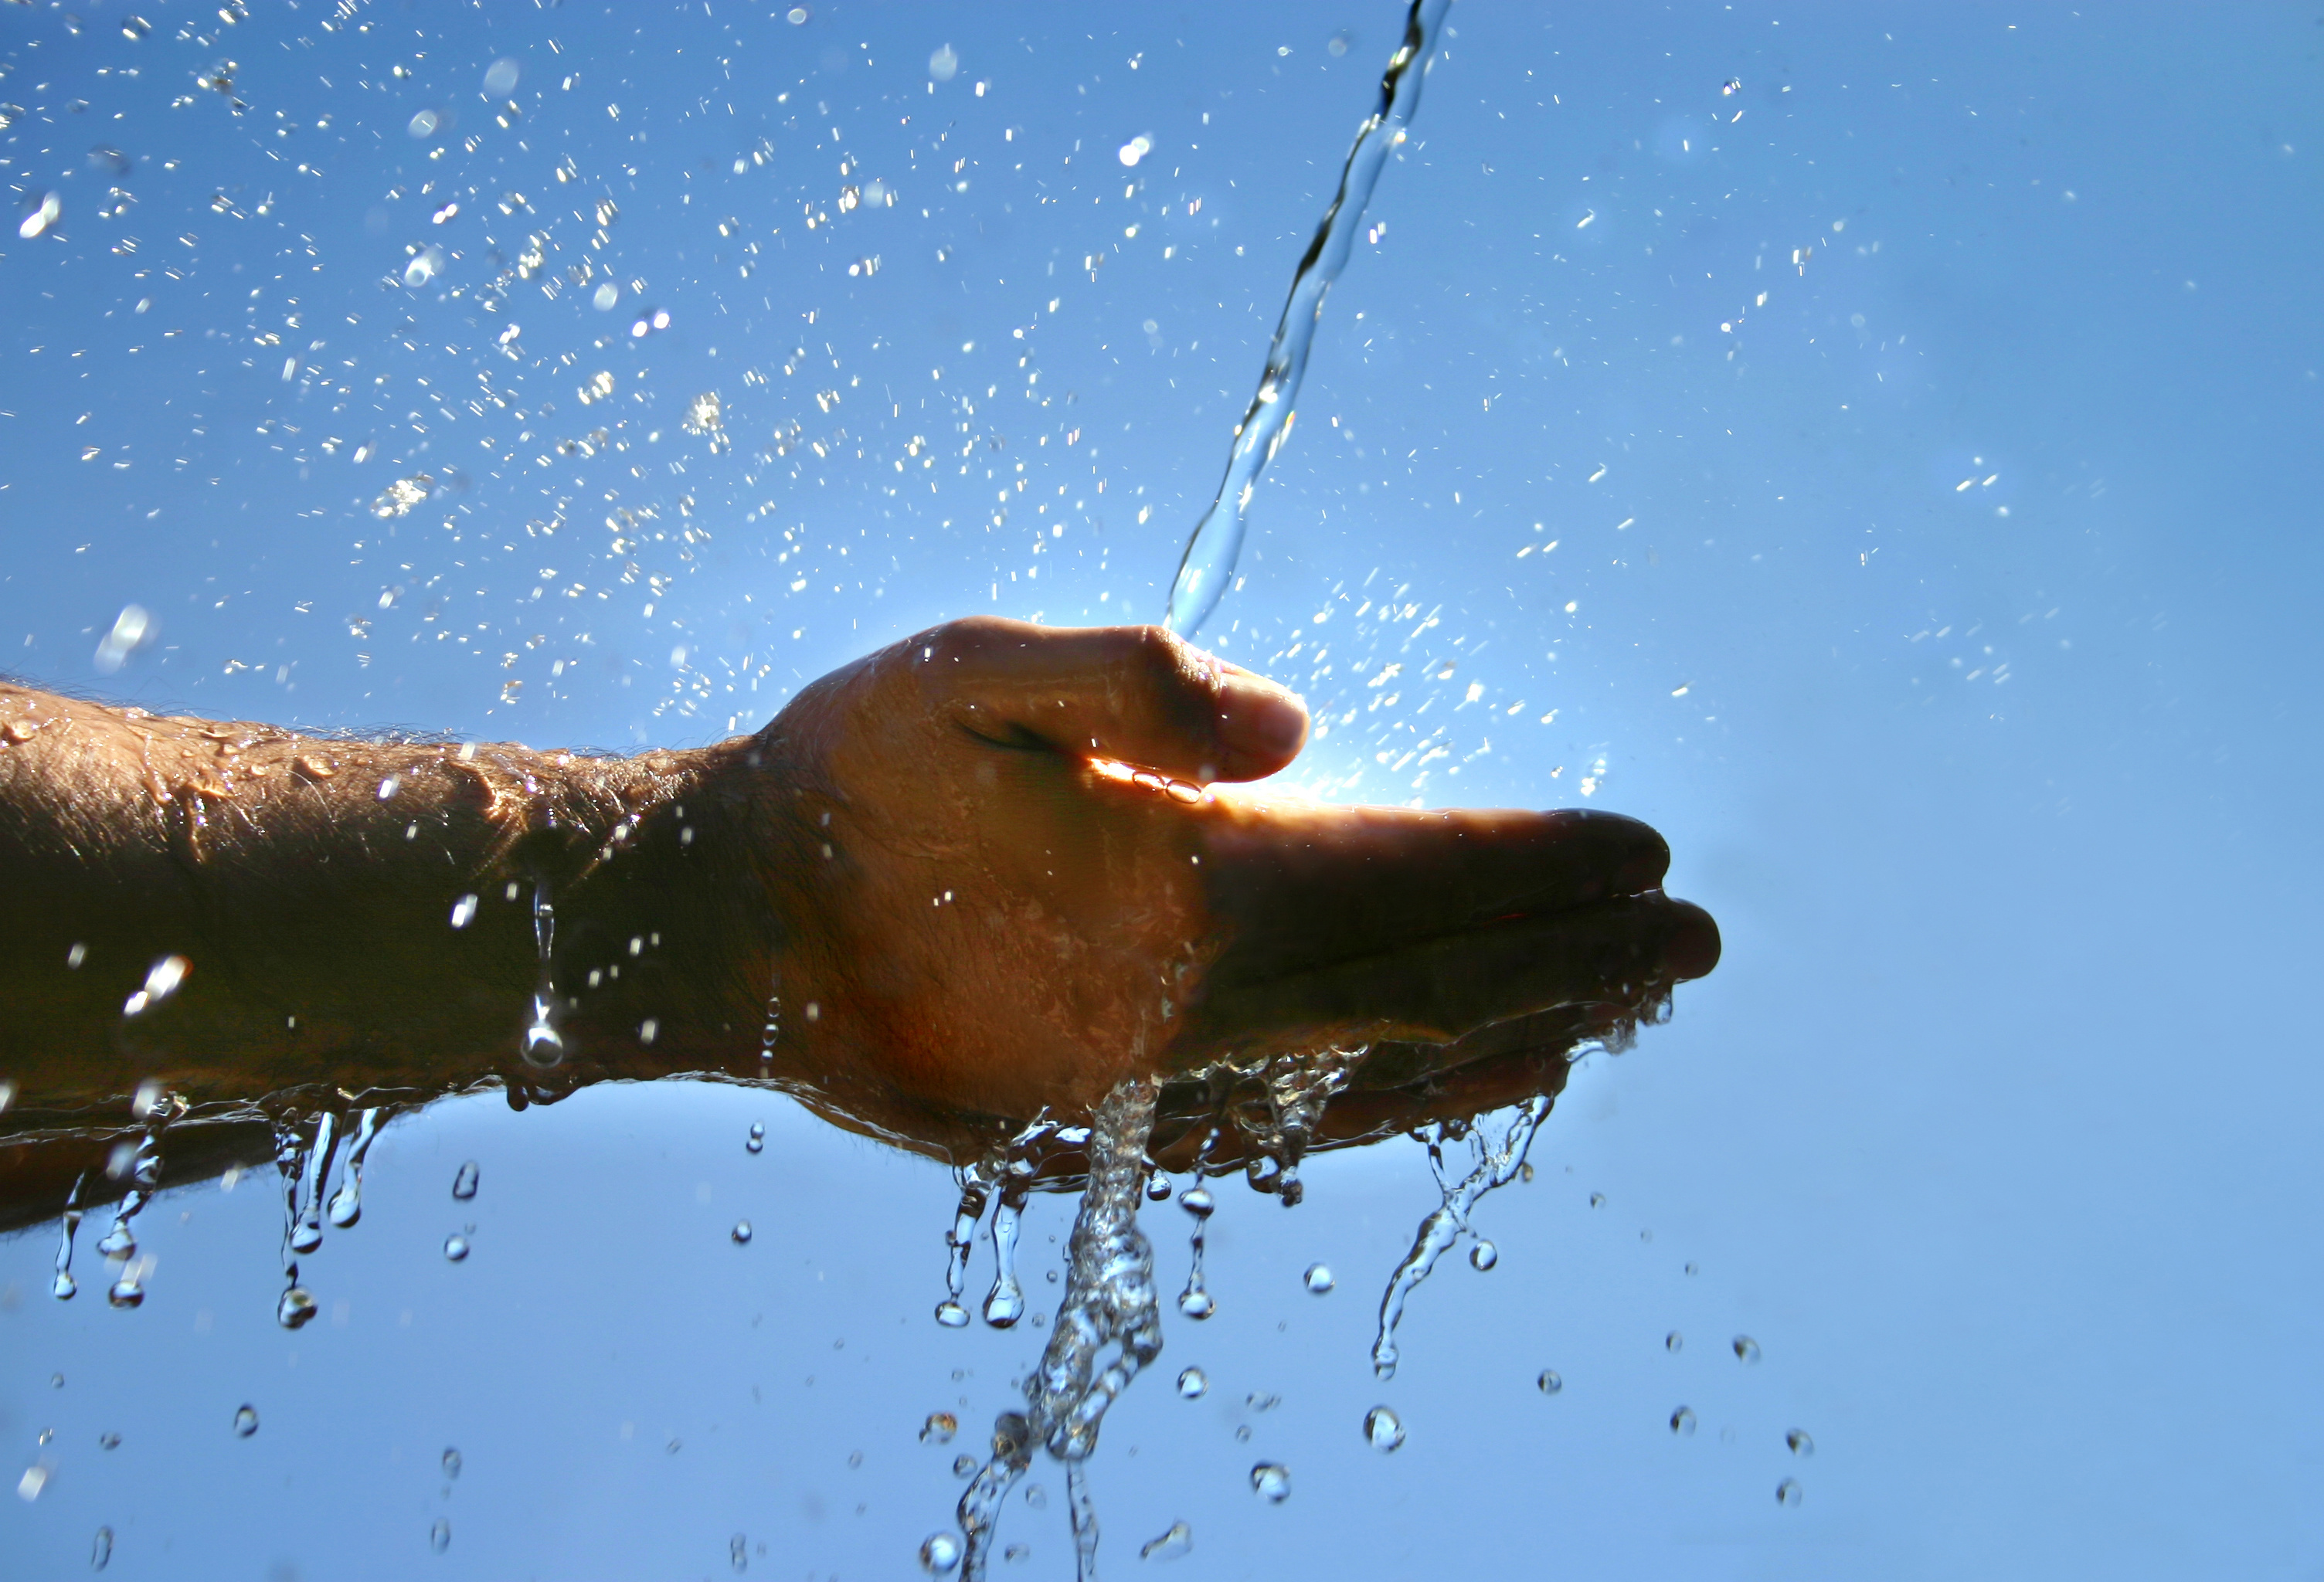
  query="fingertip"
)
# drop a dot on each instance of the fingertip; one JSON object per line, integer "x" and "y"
{"x": 1692, "y": 947}
{"x": 1261, "y": 726}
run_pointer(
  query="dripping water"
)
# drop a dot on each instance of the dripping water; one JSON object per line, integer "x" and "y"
{"x": 1196, "y": 1301}
{"x": 1293, "y": 1089}
{"x": 1110, "y": 1301}
{"x": 1494, "y": 1166}
{"x": 543, "y": 1045}
{"x": 64, "y": 1285}
{"x": 1209, "y": 562}
{"x": 1004, "y": 1304}
{"x": 306, "y": 1232}
{"x": 141, "y": 1163}
{"x": 974, "y": 1188}
{"x": 297, "y": 1304}
{"x": 346, "y": 1203}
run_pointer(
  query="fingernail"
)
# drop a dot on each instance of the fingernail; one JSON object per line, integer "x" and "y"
{"x": 1259, "y": 719}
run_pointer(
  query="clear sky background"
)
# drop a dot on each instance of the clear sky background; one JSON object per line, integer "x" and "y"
{"x": 1928, "y": 433}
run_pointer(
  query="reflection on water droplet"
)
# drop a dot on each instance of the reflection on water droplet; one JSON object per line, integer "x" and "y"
{"x": 1319, "y": 1278}
{"x": 740, "y": 1233}
{"x": 100, "y": 1553}
{"x": 456, "y": 1248}
{"x": 451, "y": 1462}
{"x": 1673, "y": 1341}
{"x": 1170, "y": 1545}
{"x": 1383, "y": 1429}
{"x": 1197, "y": 1304}
{"x": 1801, "y": 1445}
{"x": 439, "y": 1537}
{"x": 940, "y": 1427}
{"x": 1192, "y": 1383}
{"x": 1272, "y": 1481}
{"x": 1483, "y": 1255}
{"x": 1682, "y": 1420}
{"x": 952, "y": 1315}
{"x": 1549, "y": 1384}
{"x": 464, "y": 1184}
{"x": 758, "y": 1138}
{"x": 1745, "y": 1348}
{"x": 939, "y": 1554}
{"x": 245, "y": 1420}
{"x": 1787, "y": 1492}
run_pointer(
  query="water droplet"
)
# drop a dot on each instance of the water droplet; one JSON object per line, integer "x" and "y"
{"x": 1801, "y": 1445}
{"x": 500, "y": 77}
{"x": 1157, "y": 1187}
{"x": 964, "y": 1465}
{"x": 1682, "y": 1420}
{"x": 1733, "y": 85}
{"x": 456, "y": 1248}
{"x": 940, "y": 1427}
{"x": 1745, "y": 1348}
{"x": 1170, "y": 1545}
{"x": 1695, "y": 1268}
{"x": 64, "y": 1285}
{"x": 1787, "y": 1492}
{"x": 738, "y": 1552}
{"x": 757, "y": 1140}
{"x": 1319, "y": 1278}
{"x": 1383, "y": 1428}
{"x": 108, "y": 1441}
{"x": 945, "y": 64}
{"x": 1193, "y": 1382}
{"x": 1260, "y": 1401}
{"x": 245, "y": 1420}
{"x": 1197, "y": 1202}
{"x": 941, "y": 1550}
{"x": 1597, "y": 1199}
{"x": 297, "y": 1306}
{"x": 1197, "y": 1304}
{"x": 1272, "y": 1481}
{"x": 35, "y": 1479}
{"x": 1483, "y": 1255}
{"x": 952, "y": 1315}
{"x": 439, "y": 1537}
{"x": 1673, "y": 1341}
{"x": 451, "y": 1462}
{"x": 1242, "y": 1434}
{"x": 740, "y": 1233}
{"x": 1018, "y": 1551}
{"x": 126, "y": 1293}
{"x": 1036, "y": 1497}
{"x": 464, "y": 1184}
{"x": 100, "y": 1553}
{"x": 1548, "y": 1382}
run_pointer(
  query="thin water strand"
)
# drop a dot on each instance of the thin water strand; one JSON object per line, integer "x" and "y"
{"x": 64, "y": 1285}
{"x": 307, "y": 1235}
{"x": 1494, "y": 1167}
{"x": 544, "y": 1047}
{"x": 975, "y": 1191}
{"x": 346, "y": 1203}
{"x": 1110, "y": 1301}
{"x": 1195, "y": 1302}
{"x": 1208, "y": 565}
{"x": 1004, "y": 1304}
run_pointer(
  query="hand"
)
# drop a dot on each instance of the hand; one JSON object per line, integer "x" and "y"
{"x": 993, "y": 912}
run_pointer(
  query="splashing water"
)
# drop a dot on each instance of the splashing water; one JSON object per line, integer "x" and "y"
{"x": 1495, "y": 1166}
{"x": 1110, "y": 1301}
{"x": 1209, "y": 562}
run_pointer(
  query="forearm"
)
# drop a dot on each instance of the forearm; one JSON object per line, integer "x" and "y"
{"x": 320, "y": 894}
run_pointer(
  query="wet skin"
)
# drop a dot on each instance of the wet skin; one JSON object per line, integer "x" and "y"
{"x": 976, "y": 876}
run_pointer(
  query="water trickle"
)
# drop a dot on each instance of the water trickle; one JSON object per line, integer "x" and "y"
{"x": 1110, "y": 1302}
{"x": 1383, "y": 1429}
{"x": 439, "y": 1537}
{"x": 100, "y": 1553}
{"x": 464, "y": 1180}
{"x": 1483, "y": 1255}
{"x": 1681, "y": 1421}
{"x": 1494, "y": 1166}
{"x": 64, "y": 1285}
{"x": 1318, "y": 1278}
{"x": 757, "y": 1140}
{"x": 346, "y": 1203}
{"x": 1548, "y": 1382}
{"x": 1272, "y": 1481}
{"x": 1193, "y": 1382}
{"x": 740, "y": 1233}
{"x": 1176, "y": 1541}
{"x": 1207, "y": 567}
{"x": 1746, "y": 1350}
{"x": 1194, "y": 1302}
{"x": 245, "y": 1420}
{"x": 940, "y": 1427}
{"x": 1799, "y": 1442}
{"x": 939, "y": 1553}
{"x": 456, "y": 1248}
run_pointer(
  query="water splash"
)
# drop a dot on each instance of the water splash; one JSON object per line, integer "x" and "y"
{"x": 1110, "y": 1301}
{"x": 1494, "y": 1166}
{"x": 1209, "y": 562}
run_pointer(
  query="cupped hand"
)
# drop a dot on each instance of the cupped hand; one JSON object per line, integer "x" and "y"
{"x": 1021, "y": 870}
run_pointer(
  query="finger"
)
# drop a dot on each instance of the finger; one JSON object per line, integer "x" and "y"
{"x": 1302, "y": 886}
{"x": 1618, "y": 952}
{"x": 1132, "y": 692}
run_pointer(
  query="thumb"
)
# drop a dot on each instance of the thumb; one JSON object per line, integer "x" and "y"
{"x": 1137, "y": 694}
